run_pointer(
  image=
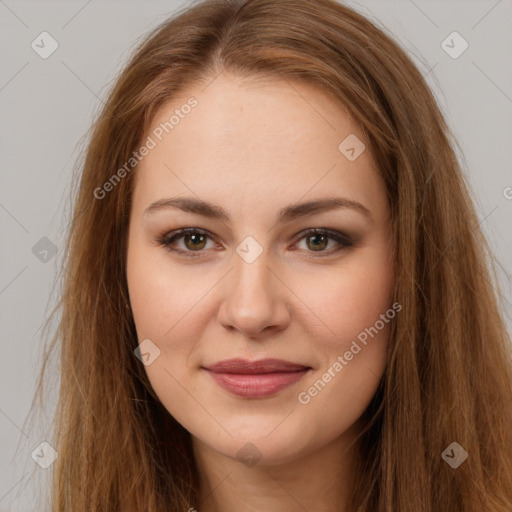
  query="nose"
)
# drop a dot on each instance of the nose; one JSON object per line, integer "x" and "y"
{"x": 255, "y": 301}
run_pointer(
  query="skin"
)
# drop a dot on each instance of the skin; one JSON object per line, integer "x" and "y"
{"x": 254, "y": 147}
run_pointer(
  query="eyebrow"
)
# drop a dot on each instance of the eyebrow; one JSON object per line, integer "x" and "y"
{"x": 288, "y": 213}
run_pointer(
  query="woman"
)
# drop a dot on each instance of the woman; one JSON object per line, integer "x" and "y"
{"x": 277, "y": 294}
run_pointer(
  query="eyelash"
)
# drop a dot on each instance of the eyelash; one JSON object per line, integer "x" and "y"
{"x": 167, "y": 239}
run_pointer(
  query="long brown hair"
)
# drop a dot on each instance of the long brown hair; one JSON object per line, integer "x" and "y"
{"x": 449, "y": 371}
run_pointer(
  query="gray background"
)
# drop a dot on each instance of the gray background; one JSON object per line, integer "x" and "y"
{"x": 47, "y": 106}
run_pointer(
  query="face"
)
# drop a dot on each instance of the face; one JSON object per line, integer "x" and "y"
{"x": 258, "y": 276}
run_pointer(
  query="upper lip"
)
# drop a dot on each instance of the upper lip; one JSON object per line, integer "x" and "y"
{"x": 243, "y": 366}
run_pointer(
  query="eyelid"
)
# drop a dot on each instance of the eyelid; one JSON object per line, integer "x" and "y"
{"x": 344, "y": 241}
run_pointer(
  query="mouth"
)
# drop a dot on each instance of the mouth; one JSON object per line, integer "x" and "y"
{"x": 256, "y": 379}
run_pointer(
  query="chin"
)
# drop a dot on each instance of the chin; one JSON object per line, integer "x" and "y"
{"x": 262, "y": 444}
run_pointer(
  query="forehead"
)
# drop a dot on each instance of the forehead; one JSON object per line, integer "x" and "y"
{"x": 253, "y": 139}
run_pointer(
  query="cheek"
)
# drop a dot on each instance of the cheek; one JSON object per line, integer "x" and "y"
{"x": 171, "y": 307}
{"x": 166, "y": 309}
{"x": 163, "y": 295}
{"x": 159, "y": 305}
{"x": 355, "y": 303}
{"x": 350, "y": 297}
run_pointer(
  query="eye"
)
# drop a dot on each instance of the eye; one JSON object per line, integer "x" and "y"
{"x": 195, "y": 240}
{"x": 317, "y": 239}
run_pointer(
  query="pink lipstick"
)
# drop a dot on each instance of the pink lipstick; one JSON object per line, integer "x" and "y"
{"x": 256, "y": 379}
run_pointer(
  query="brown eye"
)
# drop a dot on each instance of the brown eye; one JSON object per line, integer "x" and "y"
{"x": 318, "y": 242}
{"x": 195, "y": 241}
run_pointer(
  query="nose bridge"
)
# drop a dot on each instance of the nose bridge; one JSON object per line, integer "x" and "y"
{"x": 252, "y": 260}
{"x": 251, "y": 273}
{"x": 254, "y": 297}
{"x": 252, "y": 286}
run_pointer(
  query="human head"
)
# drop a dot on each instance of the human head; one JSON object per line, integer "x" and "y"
{"x": 330, "y": 47}
{"x": 298, "y": 305}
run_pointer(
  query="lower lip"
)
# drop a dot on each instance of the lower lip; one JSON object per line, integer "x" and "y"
{"x": 257, "y": 385}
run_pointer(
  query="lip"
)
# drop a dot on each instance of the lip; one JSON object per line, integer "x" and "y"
{"x": 256, "y": 379}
